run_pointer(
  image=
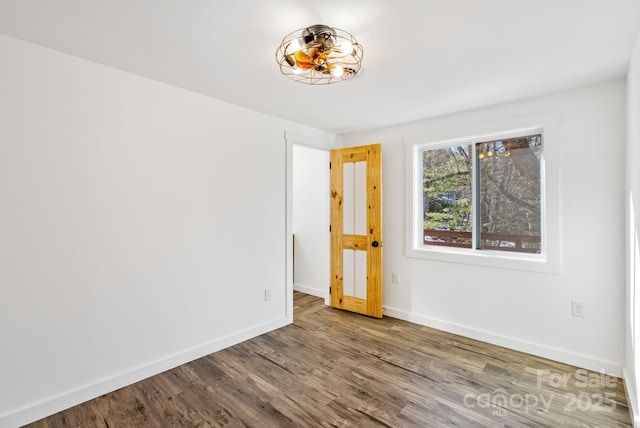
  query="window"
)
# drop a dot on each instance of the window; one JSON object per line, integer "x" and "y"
{"x": 484, "y": 200}
{"x": 484, "y": 195}
{"x": 491, "y": 199}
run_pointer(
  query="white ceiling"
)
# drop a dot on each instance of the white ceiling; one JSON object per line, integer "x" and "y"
{"x": 422, "y": 58}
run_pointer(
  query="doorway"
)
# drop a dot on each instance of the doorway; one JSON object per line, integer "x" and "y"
{"x": 310, "y": 221}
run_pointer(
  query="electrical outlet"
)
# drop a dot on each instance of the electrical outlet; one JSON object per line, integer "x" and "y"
{"x": 577, "y": 309}
{"x": 267, "y": 294}
{"x": 395, "y": 278}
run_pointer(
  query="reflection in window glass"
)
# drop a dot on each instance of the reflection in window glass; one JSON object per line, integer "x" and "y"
{"x": 510, "y": 193}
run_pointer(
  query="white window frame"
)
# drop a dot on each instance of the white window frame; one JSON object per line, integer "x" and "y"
{"x": 547, "y": 261}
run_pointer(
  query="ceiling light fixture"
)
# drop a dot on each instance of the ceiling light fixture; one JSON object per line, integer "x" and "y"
{"x": 319, "y": 55}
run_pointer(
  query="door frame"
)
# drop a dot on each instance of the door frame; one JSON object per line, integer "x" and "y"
{"x": 315, "y": 142}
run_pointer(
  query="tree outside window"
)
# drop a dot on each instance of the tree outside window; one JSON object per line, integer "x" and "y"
{"x": 484, "y": 195}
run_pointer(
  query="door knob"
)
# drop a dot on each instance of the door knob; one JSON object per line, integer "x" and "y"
{"x": 374, "y": 244}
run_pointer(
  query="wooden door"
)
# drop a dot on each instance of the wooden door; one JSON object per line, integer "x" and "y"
{"x": 356, "y": 229}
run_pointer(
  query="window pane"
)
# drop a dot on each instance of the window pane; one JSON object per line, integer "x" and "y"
{"x": 354, "y": 200}
{"x": 447, "y": 196}
{"x": 510, "y": 194}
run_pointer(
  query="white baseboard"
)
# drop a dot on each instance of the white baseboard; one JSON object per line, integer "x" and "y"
{"x": 632, "y": 396}
{"x": 52, "y": 405}
{"x": 311, "y": 290}
{"x": 555, "y": 354}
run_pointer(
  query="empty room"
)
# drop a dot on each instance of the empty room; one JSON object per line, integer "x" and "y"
{"x": 340, "y": 213}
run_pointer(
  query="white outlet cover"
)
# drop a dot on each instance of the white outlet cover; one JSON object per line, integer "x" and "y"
{"x": 577, "y": 309}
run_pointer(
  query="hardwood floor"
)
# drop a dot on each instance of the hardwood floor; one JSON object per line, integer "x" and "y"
{"x": 333, "y": 368}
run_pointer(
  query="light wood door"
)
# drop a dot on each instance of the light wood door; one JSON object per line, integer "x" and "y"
{"x": 356, "y": 229}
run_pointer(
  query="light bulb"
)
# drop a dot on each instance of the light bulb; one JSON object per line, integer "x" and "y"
{"x": 346, "y": 47}
{"x": 337, "y": 71}
{"x": 295, "y": 45}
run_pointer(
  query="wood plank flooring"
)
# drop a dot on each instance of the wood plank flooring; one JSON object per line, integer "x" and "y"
{"x": 337, "y": 369}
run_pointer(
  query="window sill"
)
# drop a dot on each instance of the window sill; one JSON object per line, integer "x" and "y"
{"x": 487, "y": 258}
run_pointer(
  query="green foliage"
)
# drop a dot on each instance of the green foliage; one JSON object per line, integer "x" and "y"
{"x": 451, "y": 218}
{"x": 509, "y": 186}
{"x": 447, "y": 188}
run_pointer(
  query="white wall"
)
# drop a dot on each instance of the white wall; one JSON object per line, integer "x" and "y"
{"x": 139, "y": 226}
{"x": 525, "y": 310}
{"x": 632, "y": 322}
{"x": 311, "y": 220}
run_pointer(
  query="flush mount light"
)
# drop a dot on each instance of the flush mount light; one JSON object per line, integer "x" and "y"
{"x": 319, "y": 55}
